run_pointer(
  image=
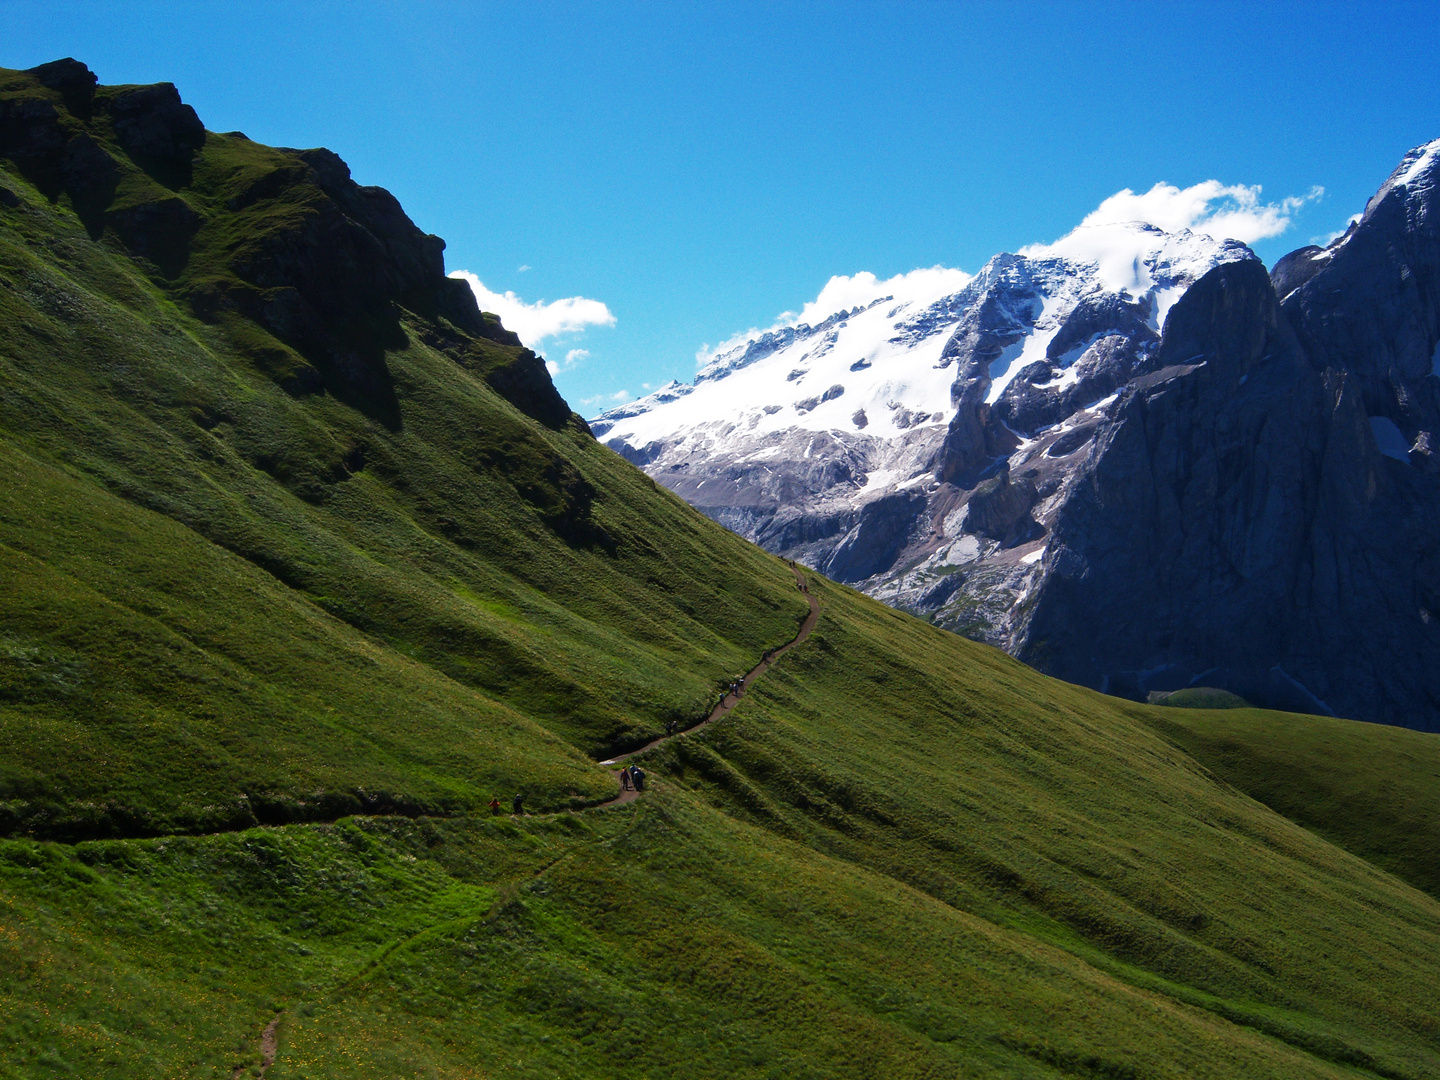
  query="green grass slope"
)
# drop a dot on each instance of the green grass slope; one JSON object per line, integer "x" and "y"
{"x": 323, "y": 579}
{"x": 1373, "y": 790}
{"x": 267, "y": 556}
{"x": 1199, "y": 697}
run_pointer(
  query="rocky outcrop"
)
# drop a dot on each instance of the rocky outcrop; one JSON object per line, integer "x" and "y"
{"x": 325, "y": 265}
{"x": 884, "y": 528}
{"x": 154, "y": 125}
{"x": 49, "y": 143}
{"x": 999, "y": 508}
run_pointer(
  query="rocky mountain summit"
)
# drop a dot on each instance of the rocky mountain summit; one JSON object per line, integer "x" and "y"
{"x": 1142, "y": 466}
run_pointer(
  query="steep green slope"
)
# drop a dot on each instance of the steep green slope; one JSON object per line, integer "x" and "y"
{"x": 288, "y": 533}
{"x": 395, "y": 499}
{"x": 1373, "y": 790}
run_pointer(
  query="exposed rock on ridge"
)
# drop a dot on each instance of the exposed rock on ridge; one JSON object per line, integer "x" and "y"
{"x": 326, "y": 265}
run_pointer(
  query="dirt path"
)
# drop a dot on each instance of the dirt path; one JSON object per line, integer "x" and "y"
{"x": 729, "y": 701}
{"x": 269, "y": 1038}
{"x": 269, "y": 1045}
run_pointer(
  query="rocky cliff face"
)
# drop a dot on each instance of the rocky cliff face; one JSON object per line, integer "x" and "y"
{"x": 1268, "y": 521}
{"x": 1207, "y": 475}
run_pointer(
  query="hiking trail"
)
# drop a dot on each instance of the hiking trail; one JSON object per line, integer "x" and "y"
{"x": 269, "y": 1038}
{"x": 269, "y": 1047}
{"x": 729, "y": 700}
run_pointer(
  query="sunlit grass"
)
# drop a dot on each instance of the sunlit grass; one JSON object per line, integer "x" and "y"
{"x": 903, "y": 854}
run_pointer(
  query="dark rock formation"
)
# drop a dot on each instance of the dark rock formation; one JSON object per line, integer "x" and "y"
{"x": 1236, "y": 521}
{"x": 976, "y": 437}
{"x": 151, "y": 123}
{"x": 883, "y": 528}
{"x": 75, "y": 82}
{"x": 1000, "y": 509}
{"x": 524, "y": 382}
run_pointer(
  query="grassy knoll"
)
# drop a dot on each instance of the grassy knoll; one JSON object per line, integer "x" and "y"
{"x": 271, "y": 556}
{"x": 1199, "y": 697}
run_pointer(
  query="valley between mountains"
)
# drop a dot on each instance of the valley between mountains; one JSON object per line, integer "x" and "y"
{"x": 303, "y": 560}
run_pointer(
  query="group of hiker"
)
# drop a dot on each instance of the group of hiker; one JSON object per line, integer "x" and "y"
{"x": 518, "y": 804}
{"x": 632, "y": 777}
{"x": 800, "y": 582}
{"x": 735, "y": 686}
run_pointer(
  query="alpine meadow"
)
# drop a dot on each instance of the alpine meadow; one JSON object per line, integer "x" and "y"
{"x": 304, "y": 561}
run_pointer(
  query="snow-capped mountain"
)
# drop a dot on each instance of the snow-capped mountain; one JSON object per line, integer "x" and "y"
{"x": 914, "y": 441}
{"x": 1134, "y": 459}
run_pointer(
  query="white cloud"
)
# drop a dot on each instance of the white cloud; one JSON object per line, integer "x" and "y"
{"x": 617, "y": 398}
{"x": 1114, "y": 235}
{"x": 523, "y": 269}
{"x": 842, "y": 293}
{"x": 1232, "y": 212}
{"x": 573, "y": 357}
{"x": 538, "y": 321}
{"x": 1226, "y": 213}
{"x": 845, "y": 292}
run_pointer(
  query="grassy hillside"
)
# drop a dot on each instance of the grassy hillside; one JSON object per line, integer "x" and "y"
{"x": 1373, "y": 790}
{"x": 275, "y": 555}
{"x": 387, "y": 584}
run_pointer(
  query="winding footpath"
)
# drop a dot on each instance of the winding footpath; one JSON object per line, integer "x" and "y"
{"x": 270, "y": 1036}
{"x": 726, "y": 703}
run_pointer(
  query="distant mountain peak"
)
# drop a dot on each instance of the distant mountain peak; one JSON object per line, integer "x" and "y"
{"x": 1102, "y": 453}
{"x": 1417, "y": 172}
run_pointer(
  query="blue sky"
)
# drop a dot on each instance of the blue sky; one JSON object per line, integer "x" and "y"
{"x": 697, "y": 170}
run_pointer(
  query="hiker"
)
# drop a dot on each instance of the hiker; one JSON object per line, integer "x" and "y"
{"x": 625, "y": 779}
{"x": 637, "y": 776}
{"x": 519, "y": 802}
{"x": 494, "y": 807}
